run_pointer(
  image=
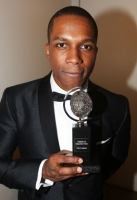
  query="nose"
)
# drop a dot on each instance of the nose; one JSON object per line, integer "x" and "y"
{"x": 74, "y": 56}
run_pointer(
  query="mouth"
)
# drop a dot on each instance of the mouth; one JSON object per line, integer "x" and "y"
{"x": 74, "y": 74}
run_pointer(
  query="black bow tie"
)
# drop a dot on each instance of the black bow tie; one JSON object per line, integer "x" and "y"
{"x": 59, "y": 97}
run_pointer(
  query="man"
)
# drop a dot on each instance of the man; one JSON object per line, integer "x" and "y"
{"x": 31, "y": 120}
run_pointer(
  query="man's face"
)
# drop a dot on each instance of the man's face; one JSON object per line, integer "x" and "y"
{"x": 72, "y": 50}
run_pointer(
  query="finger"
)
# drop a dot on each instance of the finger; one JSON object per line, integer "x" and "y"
{"x": 82, "y": 174}
{"x": 71, "y": 160}
{"x": 64, "y": 152}
{"x": 70, "y": 171}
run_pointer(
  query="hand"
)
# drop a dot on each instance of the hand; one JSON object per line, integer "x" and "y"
{"x": 54, "y": 170}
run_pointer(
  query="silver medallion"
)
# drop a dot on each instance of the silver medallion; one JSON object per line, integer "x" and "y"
{"x": 81, "y": 104}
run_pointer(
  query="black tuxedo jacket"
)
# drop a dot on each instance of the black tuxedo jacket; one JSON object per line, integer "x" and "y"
{"x": 27, "y": 121}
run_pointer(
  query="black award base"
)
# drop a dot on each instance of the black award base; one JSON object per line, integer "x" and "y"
{"x": 83, "y": 148}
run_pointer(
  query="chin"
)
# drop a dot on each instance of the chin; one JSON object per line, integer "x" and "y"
{"x": 73, "y": 86}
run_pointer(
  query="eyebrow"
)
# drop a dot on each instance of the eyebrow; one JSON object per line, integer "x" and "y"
{"x": 83, "y": 40}
{"x": 60, "y": 38}
{"x": 89, "y": 40}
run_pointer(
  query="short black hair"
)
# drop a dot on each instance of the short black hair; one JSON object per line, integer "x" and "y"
{"x": 72, "y": 10}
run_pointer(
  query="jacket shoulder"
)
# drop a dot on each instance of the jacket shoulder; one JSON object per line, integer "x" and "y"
{"x": 23, "y": 87}
{"x": 26, "y": 88}
{"x": 109, "y": 95}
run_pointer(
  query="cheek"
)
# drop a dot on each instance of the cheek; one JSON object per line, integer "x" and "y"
{"x": 53, "y": 60}
{"x": 57, "y": 61}
{"x": 91, "y": 61}
{"x": 90, "y": 66}
{"x": 55, "y": 65}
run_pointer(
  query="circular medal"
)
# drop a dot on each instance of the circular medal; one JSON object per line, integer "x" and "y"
{"x": 81, "y": 104}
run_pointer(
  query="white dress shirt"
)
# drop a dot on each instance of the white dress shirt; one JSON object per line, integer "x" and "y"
{"x": 63, "y": 125}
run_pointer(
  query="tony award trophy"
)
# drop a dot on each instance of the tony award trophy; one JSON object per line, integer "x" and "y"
{"x": 81, "y": 105}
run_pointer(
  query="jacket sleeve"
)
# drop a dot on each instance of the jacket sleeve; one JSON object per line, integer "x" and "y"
{"x": 21, "y": 173}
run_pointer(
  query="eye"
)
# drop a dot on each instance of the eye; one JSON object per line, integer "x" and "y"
{"x": 61, "y": 45}
{"x": 86, "y": 47}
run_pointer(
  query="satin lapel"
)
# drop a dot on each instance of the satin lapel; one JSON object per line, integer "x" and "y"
{"x": 95, "y": 114}
{"x": 47, "y": 117}
{"x": 99, "y": 106}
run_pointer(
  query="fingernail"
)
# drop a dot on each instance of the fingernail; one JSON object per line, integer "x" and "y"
{"x": 80, "y": 160}
{"x": 79, "y": 169}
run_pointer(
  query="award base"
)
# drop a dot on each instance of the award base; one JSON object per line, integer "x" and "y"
{"x": 92, "y": 167}
{"x": 83, "y": 148}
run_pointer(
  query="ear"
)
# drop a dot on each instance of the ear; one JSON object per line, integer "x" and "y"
{"x": 47, "y": 50}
